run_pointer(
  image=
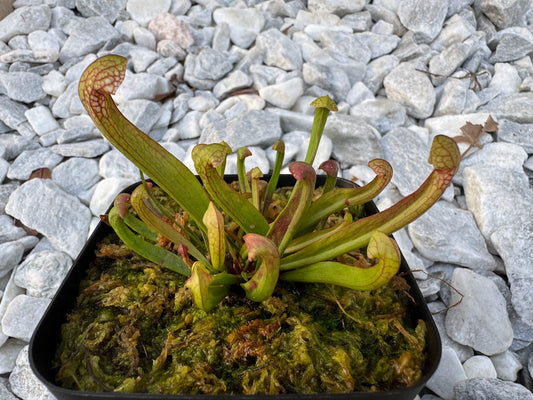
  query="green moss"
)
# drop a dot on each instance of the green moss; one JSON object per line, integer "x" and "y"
{"x": 135, "y": 328}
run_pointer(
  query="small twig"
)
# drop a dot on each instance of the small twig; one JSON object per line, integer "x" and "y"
{"x": 448, "y": 284}
{"x": 469, "y": 75}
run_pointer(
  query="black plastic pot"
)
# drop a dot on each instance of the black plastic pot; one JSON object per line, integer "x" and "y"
{"x": 47, "y": 334}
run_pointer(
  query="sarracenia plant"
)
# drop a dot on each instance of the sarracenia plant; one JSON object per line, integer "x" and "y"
{"x": 224, "y": 237}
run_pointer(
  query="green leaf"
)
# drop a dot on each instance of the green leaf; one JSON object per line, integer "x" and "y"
{"x": 101, "y": 79}
{"x": 214, "y": 222}
{"x": 150, "y": 214}
{"x": 380, "y": 247}
{"x": 339, "y": 198}
{"x": 279, "y": 147}
{"x": 242, "y": 153}
{"x": 323, "y": 106}
{"x": 285, "y": 225}
{"x": 263, "y": 282}
{"x": 444, "y": 156}
{"x": 145, "y": 249}
{"x": 208, "y": 290}
{"x": 206, "y": 159}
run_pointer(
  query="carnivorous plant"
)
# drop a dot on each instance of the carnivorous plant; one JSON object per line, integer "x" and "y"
{"x": 228, "y": 234}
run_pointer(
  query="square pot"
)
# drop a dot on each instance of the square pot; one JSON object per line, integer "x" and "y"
{"x": 46, "y": 337}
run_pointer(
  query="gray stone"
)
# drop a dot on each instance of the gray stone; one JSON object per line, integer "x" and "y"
{"x": 252, "y": 128}
{"x": 348, "y": 44}
{"x": 379, "y": 44}
{"x": 456, "y": 29}
{"x": 106, "y": 191}
{"x": 329, "y": 78}
{"x": 54, "y": 83}
{"x": 354, "y": 140}
{"x": 88, "y": 149}
{"x": 244, "y": 24}
{"x": 377, "y": 70}
{"x": 41, "y": 273}
{"x": 43, "y": 206}
{"x": 480, "y": 320}
{"x": 337, "y": 7}
{"x": 22, "y": 86}
{"x": 115, "y": 164}
{"x": 449, "y": 372}
{"x": 24, "y": 383}
{"x": 407, "y": 152}
{"x": 504, "y": 13}
{"x": 487, "y": 388}
{"x": 142, "y": 113}
{"x": 449, "y": 59}
{"x": 8, "y": 230}
{"x": 141, "y": 86}
{"x": 8, "y": 356}
{"x": 143, "y": 12}
{"x": 513, "y": 43}
{"x": 24, "y": 20}
{"x": 5, "y": 192}
{"x": 381, "y": 113}
{"x": 479, "y": 367}
{"x": 42, "y": 41}
{"x": 513, "y": 243}
{"x": 449, "y": 234}
{"x": 5, "y": 393}
{"x": 22, "y": 315}
{"x": 283, "y": 94}
{"x": 515, "y": 107}
{"x": 203, "y": 101}
{"x": 483, "y": 185}
{"x": 507, "y": 365}
{"x": 189, "y": 126}
{"x": 456, "y": 98}
{"x": 506, "y": 79}
{"x": 76, "y": 175}
{"x": 15, "y": 144}
{"x": 63, "y": 105}
{"x": 412, "y": 89}
{"x": 437, "y": 308}
{"x": 234, "y": 81}
{"x": 162, "y": 65}
{"x": 41, "y": 120}
{"x": 519, "y": 134}
{"x": 359, "y": 93}
{"x": 109, "y": 10}
{"x": 82, "y": 39}
{"x": 11, "y": 112}
{"x": 10, "y": 255}
{"x": 211, "y": 64}
{"x": 424, "y": 19}
{"x": 30, "y": 160}
{"x": 279, "y": 51}
{"x": 141, "y": 58}
{"x": 4, "y": 167}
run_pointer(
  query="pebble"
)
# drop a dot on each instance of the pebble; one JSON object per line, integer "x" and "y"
{"x": 30, "y": 160}
{"x": 41, "y": 120}
{"x": 42, "y": 205}
{"x": 76, "y": 175}
{"x": 412, "y": 89}
{"x": 448, "y": 234}
{"x": 480, "y": 320}
{"x": 41, "y": 273}
{"x": 448, "y": 373}
{"x": 507, "y": 365}
{"x": 143, "y": 12}
{"x": 23, "y": 381}
{"x": 244, "y": 24}
{"x": 479, "y": 367}
{"x": 22, "y": 315}
{"x": 25, "y": 20}
{"x": 477, "y": 388}
{"x": 22, "y": 86}
{"x": 11, "y": 255}
{"x": 106, "y": 191}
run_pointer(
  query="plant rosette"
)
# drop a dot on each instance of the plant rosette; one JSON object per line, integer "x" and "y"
{"x": 207, "y": 251}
